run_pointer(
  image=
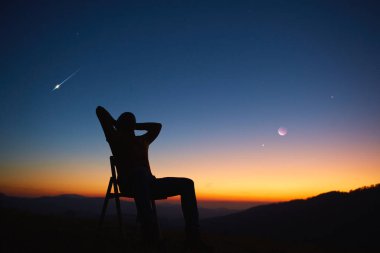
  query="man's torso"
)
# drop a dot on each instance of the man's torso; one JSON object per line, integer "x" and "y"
{"x": 131, "y": 155}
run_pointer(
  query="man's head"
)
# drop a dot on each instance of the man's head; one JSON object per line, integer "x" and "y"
{"x": 126, "y": 122}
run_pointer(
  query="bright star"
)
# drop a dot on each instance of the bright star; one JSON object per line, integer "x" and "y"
{"x": 57, "y": 86}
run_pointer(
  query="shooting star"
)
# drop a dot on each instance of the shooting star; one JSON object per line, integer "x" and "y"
{"x": 70, "y": 76}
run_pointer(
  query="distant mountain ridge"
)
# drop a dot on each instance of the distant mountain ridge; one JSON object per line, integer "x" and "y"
{"x": 81, "y": 206}
{"x": 344, "y": 218}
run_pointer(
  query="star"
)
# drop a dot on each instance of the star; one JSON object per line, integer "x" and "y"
{"x": 57, "y": 86}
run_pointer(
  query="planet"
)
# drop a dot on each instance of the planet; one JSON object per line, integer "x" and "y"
{"x": 282, "y": 131}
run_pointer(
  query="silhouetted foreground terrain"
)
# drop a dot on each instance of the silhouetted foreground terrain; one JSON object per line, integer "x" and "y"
{"x": 344, "y": 221}
{"x": 330, "y": 222}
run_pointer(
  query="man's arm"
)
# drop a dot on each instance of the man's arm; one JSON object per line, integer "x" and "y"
{"x": 106, "y": 121}
{"x": 152, "y": 128}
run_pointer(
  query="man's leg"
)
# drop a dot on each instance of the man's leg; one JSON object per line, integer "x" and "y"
{"x": 172, "y": 186}
{"x": 142, "y": 194}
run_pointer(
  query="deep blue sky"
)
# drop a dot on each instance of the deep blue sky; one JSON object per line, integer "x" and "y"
{"x": 215, "y": 73}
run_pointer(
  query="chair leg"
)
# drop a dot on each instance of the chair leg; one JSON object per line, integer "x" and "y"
{"x": 118, "y": 209}
{"x": 105, "y": 204}
{"x": 153, "y": 203}
{"x": 119, "y": 215}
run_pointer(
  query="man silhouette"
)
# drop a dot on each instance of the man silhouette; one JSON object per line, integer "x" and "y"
{"x": 135, "y": 176}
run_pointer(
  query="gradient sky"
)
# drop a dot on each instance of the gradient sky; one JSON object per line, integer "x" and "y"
{"x": 221, "y": 76}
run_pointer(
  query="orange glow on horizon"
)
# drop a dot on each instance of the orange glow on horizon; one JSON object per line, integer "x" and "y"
{"x": 247, "y": 175}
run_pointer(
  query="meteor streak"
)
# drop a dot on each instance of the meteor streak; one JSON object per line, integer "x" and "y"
{"x": 70, "y": 76}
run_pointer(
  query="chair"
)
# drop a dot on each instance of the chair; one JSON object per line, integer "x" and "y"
{"x": 116, "y": 194}
{"x": 106, "y": 122}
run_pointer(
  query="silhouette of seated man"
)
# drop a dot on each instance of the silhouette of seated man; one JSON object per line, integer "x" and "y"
{"x": 136, "y": 178}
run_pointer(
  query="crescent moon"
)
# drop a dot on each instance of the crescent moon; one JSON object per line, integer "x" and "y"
{"x": 282, "y": 131}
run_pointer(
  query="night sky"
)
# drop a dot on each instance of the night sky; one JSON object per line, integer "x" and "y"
{"x": 221, "y": 76}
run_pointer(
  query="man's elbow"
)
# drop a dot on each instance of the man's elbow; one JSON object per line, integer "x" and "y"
{"x": 158, "y": 127}
{"x": 99, "y": 110}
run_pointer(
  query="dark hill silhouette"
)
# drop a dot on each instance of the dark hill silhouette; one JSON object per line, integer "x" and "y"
{"x": 339, "y": 219}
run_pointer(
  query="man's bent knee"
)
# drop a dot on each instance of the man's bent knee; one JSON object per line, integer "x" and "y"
{"x": 189, "y": 183}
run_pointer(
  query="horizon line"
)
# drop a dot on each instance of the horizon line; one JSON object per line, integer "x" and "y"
{"x": 200, "y": 199}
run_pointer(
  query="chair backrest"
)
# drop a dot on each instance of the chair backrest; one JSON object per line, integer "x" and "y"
{"x": 114, "y": 181}
{"x": 113, "y": 166}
